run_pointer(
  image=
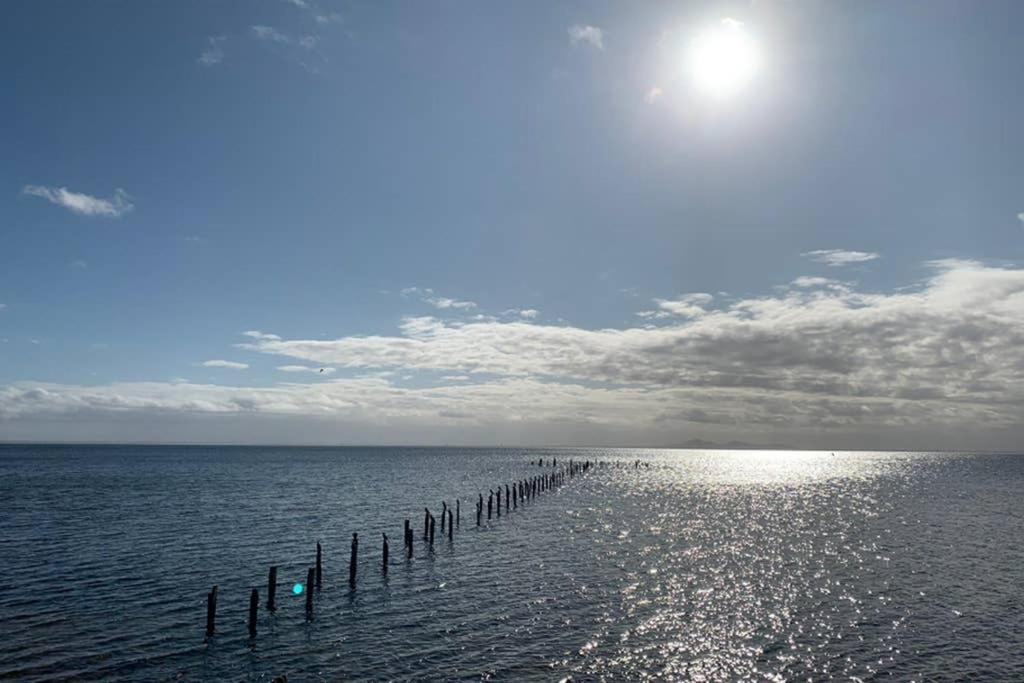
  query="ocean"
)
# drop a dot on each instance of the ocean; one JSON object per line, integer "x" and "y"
{"x": 699, "y": 565}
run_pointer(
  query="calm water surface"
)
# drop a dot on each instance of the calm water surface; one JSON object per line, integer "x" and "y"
{"x": 708, "y": 565}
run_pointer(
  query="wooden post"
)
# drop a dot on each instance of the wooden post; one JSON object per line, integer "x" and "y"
{"x": 479, "y": 509}
{"x": 499, "y": 500}
{"x": 444, "y": 513}
{"x": 507, "y": 496}
{"x": 432, "y": 531}
{"x": 490, "y": 505}
{"x": 451, "y": 527}
{"x": 426, "y": 522}
{"x": 254, "y": 605}
{"x": 352, "y": 561}
{"x": 408, "y": 540}
{"x": 272, "y": 588}
{"x": 384, "y": 552}
{"x": 211, "y": 611}
{"x": 310, "y": 577}
{"x": 319, "y": 566}
{"x": 458, "y": 513}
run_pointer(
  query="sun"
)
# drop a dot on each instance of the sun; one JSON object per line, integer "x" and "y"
{"x": 723, "y": 59}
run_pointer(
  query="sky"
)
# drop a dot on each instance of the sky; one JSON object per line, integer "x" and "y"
{"x": 314, "y": 222}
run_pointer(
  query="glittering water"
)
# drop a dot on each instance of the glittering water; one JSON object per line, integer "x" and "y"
{"x": 708, "y": 565}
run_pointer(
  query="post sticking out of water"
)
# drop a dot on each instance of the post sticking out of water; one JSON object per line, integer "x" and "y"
{"x": 319, "y": 566}
{"x": 408, "y": 540}
{"x": 490, "y": 505}
{"x": 384, "y": 552}
{"x": 479, "y": 509}
{"x": 254, "y": 605}
{"x": 507, "y": 496}
{"x": 451, "y": 527}
{"x": 271, "y": 588}
{"x": 458, "y": 513}
{"x": 499, "y": 500}
{"x": 426, "y": 522}
{"x": 432, "y": 531}
{"x": 444, "y": 513}
{"x": 310, "y": 577}
{"x": 211, "y": 611}
{"x": 352, "y": 561}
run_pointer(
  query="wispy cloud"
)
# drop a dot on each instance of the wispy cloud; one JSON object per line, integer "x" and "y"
{"x": 213, "y": 53}
{"x": 589, "y": 35}
{"x": 840, "y": 257}
{"x": 307, "y": 369}
{"x": 81, "y": 203}
{"x": 653, "y": 95}
{"x": 298, "y": 3}
{"x": 1020, "y": 216}
{"x": 269, "y": 33}
{"x": 229, "y": 364}
{"x": 428, "y": 295}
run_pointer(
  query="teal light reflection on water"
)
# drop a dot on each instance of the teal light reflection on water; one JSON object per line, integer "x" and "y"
{"x": 297, "y": 589}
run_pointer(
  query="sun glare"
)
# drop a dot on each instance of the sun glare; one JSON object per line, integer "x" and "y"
{"x": 723, "y": 59}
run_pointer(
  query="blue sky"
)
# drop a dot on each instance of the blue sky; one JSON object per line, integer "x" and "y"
{"x": 516, "y": 223}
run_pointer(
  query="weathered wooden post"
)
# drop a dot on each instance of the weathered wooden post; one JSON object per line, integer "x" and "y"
{"x": 490, "y": 504}
{"x": 451, "y": 527}
{"x": 426, "y": 522}
{"x": 319, "y": 566}
{"x": 310, "y": 577}
{"x": 444, "y": 514}
{"x": 507, "y": 496}
{"x": 479, "y": 509}
{"x": 272, "y": 588}
{"x": 431, "y": 531}
{"x": 499, "y": 500}
{"x": 384, "y": 552}
{"x": 211, "y": 611}
{"x": 352, "y": 561}
{"x": 254, "y": 604}
{"x": 408, "y": 540}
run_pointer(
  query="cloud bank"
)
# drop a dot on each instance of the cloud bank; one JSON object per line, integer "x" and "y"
{"x": 813, "y": 362}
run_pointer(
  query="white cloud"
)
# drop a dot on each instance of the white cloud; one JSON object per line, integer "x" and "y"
{"x": 213, "y": 53}
{"x": 306, "y": 368}
{"x": 839, "y": 257}
{"x": 298, "y": 3}
{"x": 591, "y": 35}
{"x": 1020, "y": 217}
{"x": 687, "y": 306}
{"x": 427, "y": 295}
{"x": 943, "y": 358}
{"x": 807, "y": 281}
{"x": 80, "y": 264}
{"x": 269, "y": 33}
{"x": 329, "y": 18}
{"x": 529, "y": 313}
{"x": 308, "y": 42}
{"x": 81, "y": 203}
{"x": 653, "y": 95}
{"x": 229, "y": 364}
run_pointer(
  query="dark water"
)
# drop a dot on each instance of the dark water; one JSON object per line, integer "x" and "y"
{"x": 709, "y": 565}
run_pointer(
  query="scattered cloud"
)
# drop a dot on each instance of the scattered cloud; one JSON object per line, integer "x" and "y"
{"x": 686, "y": 306}
{"x": 269, "y": 33}
{"x": 81, "y": 203}
{"x": 306, "y": 368}
{"x": 1020, "y": 217}
{"x": 229, "y": 364}
{"x": 529, "y": 313}
{"x": 653, "y": 95}
{"x": 808, "y": 281}
{"x": 840, "y": 257}
{"x": 213, "y": 53}
{"x": 298, "y": 3}
{"x": 590, "y": 35}
{"x": 308, "y": 42}
{"x": 428, "y": 295}
{"x": 334, "y": 18}
{"x": 79, "y": 264}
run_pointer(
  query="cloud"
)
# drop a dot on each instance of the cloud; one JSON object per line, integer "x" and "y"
{"x": 3, "y": 306}
{"x": 839, "y": 257}
{"x": 298, "y": 3}
{"x": 79, "y": 264}
{"x": 1020, "y": 217}
{"x": 308, "y": 42}
{"x": 808, "y": 281}
{"x": 653, "y": 95}
{"x": 229, "y": 364}
{"x": 941, "y": 359}
{"x": 213, "y": 53}
{"x": 83, "y": 204}
{"x": 307, "y": 368}
{"x": 591, "y": 35}
{"x": 427, "y": 296}
{"x": 270, "y": 34}
{"x": 529, "y": 313}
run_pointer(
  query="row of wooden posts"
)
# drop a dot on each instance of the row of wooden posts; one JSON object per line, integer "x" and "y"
{"x": 520, "y": 492}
